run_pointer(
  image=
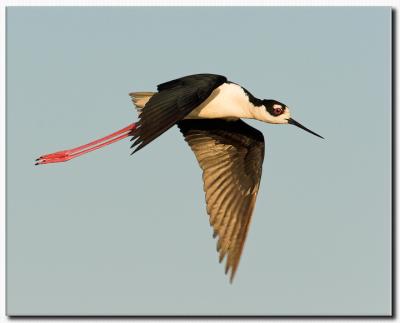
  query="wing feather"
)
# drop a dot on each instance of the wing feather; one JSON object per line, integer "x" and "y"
{"x": 230, "y": 154}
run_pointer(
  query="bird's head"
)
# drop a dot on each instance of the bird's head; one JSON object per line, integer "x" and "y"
{"x": 273, "y": 111}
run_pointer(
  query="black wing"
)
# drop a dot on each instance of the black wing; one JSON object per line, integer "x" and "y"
{"x": 174, "y": 101}
{"x": 230, "y": 154}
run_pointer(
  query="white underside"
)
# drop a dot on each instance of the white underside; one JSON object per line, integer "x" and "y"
{"x": 227, "y": 101}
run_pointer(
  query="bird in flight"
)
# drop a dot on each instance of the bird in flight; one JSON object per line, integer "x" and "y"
{"x": 208, "y": 110}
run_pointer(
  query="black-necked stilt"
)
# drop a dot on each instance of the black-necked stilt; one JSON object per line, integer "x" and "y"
{"x": 207, "y": 109}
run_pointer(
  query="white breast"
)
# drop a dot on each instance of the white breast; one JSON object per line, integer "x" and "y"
{"x": 226, "y": 101}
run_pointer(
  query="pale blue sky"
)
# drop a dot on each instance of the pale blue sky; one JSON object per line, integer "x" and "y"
{"x": 115, "y": 234}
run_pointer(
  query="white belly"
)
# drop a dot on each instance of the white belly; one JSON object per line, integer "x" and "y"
{"x": 226, "y": 101}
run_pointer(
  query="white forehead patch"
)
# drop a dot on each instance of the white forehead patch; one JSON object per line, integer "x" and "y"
{"x": 276, "y": 106}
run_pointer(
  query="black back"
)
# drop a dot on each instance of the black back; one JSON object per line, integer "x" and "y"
{"x": 174, "y": 101}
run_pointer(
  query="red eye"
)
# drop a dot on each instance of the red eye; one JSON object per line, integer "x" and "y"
{"x": 278, "y": 111}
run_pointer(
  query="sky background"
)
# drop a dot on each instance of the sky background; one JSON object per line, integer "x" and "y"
{"x": 114, "y": 234}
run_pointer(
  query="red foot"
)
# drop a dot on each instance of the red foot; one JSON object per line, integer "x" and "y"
{"x": 48, "y": 159}
{"x": 58, "y": 154}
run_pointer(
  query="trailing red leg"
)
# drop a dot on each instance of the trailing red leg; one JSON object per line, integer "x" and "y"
{"x": 64, "y": 155}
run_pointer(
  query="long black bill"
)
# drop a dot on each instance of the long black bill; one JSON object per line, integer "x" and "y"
{"x": 294, "y": 122}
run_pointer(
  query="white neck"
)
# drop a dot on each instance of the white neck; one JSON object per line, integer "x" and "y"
{"x": 230, "y": 101}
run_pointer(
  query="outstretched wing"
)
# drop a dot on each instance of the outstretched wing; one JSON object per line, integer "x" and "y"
{"x": 230, "y": 154}
{"x": 173, "y": 102}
